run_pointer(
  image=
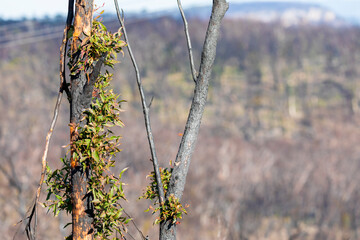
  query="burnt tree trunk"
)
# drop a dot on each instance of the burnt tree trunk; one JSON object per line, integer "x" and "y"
{"x": 82, "y": 85}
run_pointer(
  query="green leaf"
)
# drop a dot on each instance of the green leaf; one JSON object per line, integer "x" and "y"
{"x": 118, "y": 214}
{"x": 111, "y": 193}
{"x": 121, "y": 173}
{"x": 95, "y": 155}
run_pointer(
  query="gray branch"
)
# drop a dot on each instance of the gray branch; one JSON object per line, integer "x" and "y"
{"x": 186, "y": 29}
{"x": 187, "y": 145}
{"x": 145, "y": 110}
{"x": 192, "y": 126}
{"x": 32, "y": 212}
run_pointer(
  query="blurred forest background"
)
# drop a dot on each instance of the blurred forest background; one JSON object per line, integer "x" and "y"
{"x": 277, "y": 155}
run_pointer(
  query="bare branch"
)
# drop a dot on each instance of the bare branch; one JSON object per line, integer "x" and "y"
{"x": 188, "y": 40}
{"x": 133, "y": 222}
{"x": 192, "y": 126}
{"x": 63, "y": 85}
{"x": 31, "y": 231}
{"x": 187, "y": 145}
{"x": 145, "y": 110}
{"x": 43, "y": 170}
{"x": 151, "y": 100}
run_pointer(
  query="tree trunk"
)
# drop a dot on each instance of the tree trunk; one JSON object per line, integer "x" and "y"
{"x": 187, "y": 145}
{"x": 81, "y": 96}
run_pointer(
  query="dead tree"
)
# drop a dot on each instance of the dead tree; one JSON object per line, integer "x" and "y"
{"x": 187, "y": 145}
{"x": 80, "y": 97}
{"x": 82, "y": 85}
{"x": 201, "y": 79}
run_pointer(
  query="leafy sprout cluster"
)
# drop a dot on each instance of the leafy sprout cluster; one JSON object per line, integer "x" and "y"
{"x": 171, "y": 209}
{"x": 95, "y": 145}
{"x": 100, "y": 44}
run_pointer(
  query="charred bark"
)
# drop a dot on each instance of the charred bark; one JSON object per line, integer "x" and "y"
{"x": 82, "y": 85}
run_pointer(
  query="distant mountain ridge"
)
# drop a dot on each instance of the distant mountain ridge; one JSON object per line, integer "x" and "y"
{"x": 268, "y": 6}
{"x": 288, "y": 13}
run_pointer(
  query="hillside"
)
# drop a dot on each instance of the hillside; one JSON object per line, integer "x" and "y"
{"x": 287, "y": 13}
{"x": 278, "y": 141}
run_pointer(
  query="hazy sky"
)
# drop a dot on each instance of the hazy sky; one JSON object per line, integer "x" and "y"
{"x": 40, "y": 8}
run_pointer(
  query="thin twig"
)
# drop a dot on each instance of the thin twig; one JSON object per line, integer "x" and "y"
{"x": 130, "y": 236}
{"x": 188, "y": 40}
{"x": 63, "y": 84}
{"x": 151, "y": 100}
{"x": 33, "y": 214}
{"x": 137, "y": 228}
{"x": 31, "y": 231}
{"x": 145, "y": 109}
{"x": 140, "y": 232}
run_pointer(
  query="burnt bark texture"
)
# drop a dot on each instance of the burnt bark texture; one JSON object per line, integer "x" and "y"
{"x": 82, "y": 85}
{"x": 188, "y": 141}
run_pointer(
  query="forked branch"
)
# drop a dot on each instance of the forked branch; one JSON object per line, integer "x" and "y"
{"x": 189, "y": 138}
{"x": 187, "y": 145}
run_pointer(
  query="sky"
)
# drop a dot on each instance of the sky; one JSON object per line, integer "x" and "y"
{"x": 40, "y": 8}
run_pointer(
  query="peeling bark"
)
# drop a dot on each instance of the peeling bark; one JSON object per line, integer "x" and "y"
{"x": 81, "y": 93}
